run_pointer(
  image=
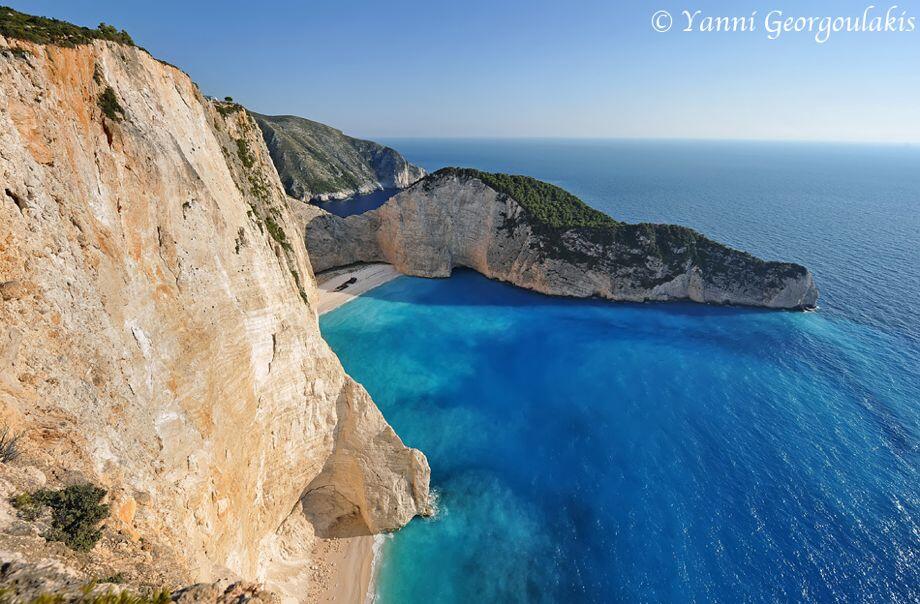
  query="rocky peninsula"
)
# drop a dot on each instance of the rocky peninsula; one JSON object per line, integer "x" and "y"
{"x": 540, "y": 237}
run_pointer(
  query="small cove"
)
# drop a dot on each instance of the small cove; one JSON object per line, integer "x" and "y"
{"x": 594, "y": 452}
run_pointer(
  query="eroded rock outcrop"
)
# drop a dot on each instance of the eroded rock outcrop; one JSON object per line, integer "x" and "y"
{"x": 540, "y": 237}
{"x": 317, "y": 162}
{"x": 157, "y": 326}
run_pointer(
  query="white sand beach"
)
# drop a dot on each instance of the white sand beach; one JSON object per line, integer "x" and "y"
{"x": 342, "y": 285}
{"x": 343, "y": 569}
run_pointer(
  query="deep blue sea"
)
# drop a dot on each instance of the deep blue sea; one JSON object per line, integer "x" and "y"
{"x": 585, "y": 451}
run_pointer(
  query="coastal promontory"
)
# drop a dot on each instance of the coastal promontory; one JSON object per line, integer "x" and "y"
{"x": 540, "y": 237}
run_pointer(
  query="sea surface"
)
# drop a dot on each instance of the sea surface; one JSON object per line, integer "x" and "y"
{"x": 357, "y": 204}
{"x": 585, "y": 451}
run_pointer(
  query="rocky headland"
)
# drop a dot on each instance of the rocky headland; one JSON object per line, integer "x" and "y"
{"x": 540, "y": 237}
{"x": 319, "y": 163}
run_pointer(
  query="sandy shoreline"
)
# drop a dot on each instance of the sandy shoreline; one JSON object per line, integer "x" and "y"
{"x": 342, "y": 285}
{"x": 342, "y": 570}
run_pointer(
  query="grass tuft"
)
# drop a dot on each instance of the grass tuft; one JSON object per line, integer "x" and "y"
{"x": 9, "y": 445}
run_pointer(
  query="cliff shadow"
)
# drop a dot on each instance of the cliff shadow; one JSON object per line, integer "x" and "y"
{"x": 332, "y": 514}
{"x": 357, "y": 204}
{"x": 468, "y": 287}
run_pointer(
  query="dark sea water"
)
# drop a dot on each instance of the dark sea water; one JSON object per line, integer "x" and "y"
{"x": 593, "y": 452}
{"x": 357, "y": 204}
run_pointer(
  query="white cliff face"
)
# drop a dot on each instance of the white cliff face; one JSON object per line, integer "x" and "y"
{"x": 448, "y": 220}
{"x": 158, "y": 333}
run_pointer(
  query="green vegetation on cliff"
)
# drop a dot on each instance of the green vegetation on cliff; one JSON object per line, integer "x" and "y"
{"x": 549, "y": 204}
{"x": 226, "y": 107}
{"x": 109, "y": 104}
{"x": 569, "y": 229}
{"x": 43, "y": 30}
{"x": 316, "y": 161}
{"x": 87, "y": 597}
{"x": 76, "y": 512}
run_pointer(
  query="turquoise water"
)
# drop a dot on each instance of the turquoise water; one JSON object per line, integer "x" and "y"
{"x": 593, "y": 452}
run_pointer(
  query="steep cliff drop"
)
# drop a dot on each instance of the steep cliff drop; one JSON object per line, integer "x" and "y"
{"x": 540, "y": 237}
{"x": 158, "y": 334}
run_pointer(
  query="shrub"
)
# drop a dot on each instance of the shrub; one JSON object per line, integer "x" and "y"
{"x": 27, "y": 506}
{"x": 111, "y": 33}
{"x": 76, "y": 512}
{"x": 9, "y": 445}
{"x": 109, "y": 104}
{"x": 225, "y": 108}
{"x": 42, "y": 30}
{"x": 242, "y": 151}
{"x": 229, "y": 99}
{"x": 277, "y": 233}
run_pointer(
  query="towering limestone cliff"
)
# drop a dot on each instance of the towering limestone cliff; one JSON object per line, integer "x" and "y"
{"x": 317, "y": 162}
{"x": 540, "y": 237}
{"x": 158, "y": 333}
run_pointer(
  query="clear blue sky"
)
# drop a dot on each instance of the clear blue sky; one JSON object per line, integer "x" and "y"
{"x": 587, "y": 68}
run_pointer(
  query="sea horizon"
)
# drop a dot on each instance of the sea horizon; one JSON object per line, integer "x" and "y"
{"x": 485, "y": 138}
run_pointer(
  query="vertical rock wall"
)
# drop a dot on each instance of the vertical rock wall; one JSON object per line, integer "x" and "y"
{"x": 157, "y": 325}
